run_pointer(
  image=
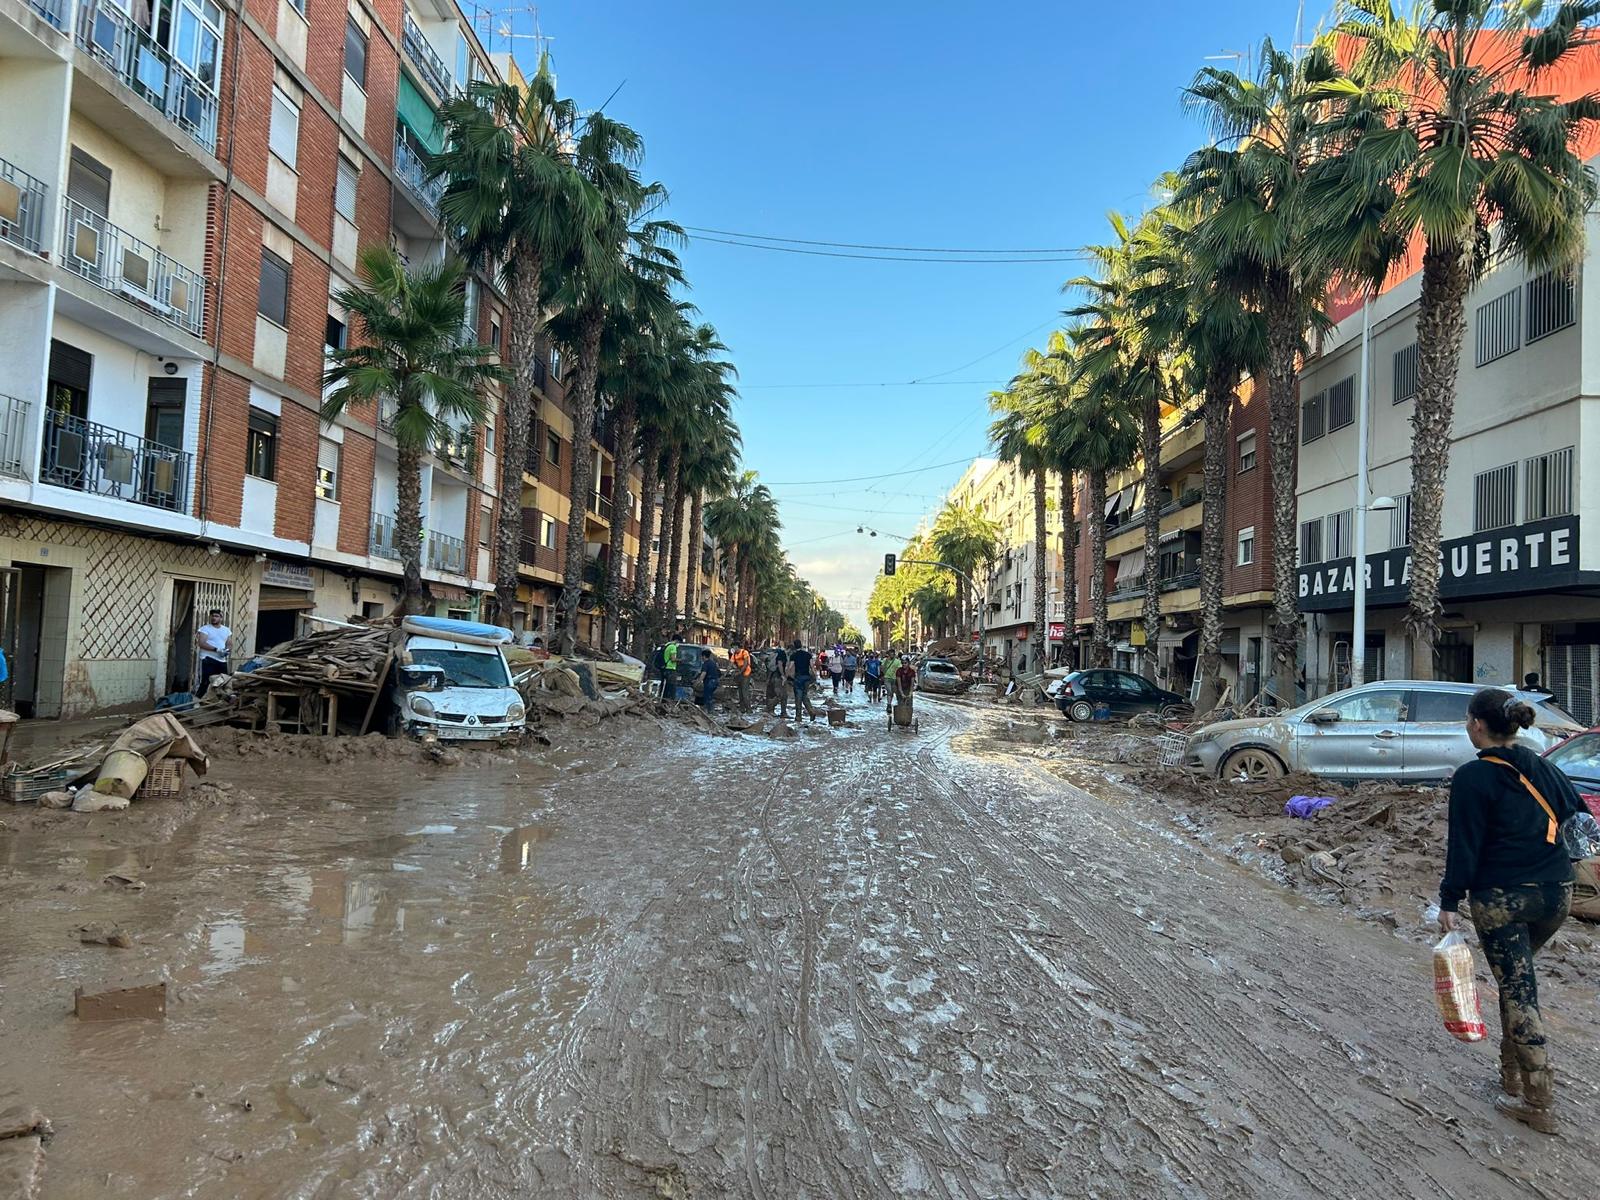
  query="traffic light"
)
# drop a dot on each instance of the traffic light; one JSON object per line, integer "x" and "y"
{"x": 888, "y": 564}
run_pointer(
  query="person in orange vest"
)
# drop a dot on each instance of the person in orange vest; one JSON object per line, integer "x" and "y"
{"x": 739, "y": 660}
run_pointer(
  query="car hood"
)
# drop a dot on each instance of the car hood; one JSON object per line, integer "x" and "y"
{"x": 1274, "y": 729}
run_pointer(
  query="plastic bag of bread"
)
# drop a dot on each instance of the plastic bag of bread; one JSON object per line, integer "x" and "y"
{"x": 1455, "y": 990}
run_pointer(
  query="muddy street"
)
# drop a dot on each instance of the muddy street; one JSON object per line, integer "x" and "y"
{"x": 650, "y": 962}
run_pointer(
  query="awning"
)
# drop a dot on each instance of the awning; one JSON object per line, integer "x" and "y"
{"x": 1130, "y": 566}
{"x": 448, "y": 591}
{"x": 1170, "y": 535}
{"x": 1111, "y": 503}
{"x": 418, "y": 116}
{"x": 280, "y": 599}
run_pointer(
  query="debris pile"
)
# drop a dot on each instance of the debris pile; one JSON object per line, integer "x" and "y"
{"x": 293, "y": 683}
{"x": 152, "y": 759}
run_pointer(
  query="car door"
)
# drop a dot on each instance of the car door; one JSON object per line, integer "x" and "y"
{"x": 1436, "y": 740}
{"x": 1133, "y": 695}
{"x": 1096, "y": 687}
{"x": 1365, "y": 742}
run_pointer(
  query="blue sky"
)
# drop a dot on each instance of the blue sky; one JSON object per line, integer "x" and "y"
{"x": 1010, "y": 125}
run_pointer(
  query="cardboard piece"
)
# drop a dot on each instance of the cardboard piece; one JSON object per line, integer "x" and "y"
{"x": 142, "y": 1002}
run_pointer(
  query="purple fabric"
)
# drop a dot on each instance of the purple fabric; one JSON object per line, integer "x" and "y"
{"x": 1304, "y": 806}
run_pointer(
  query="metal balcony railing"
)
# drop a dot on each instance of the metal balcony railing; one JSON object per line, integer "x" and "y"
{"x": 427, "y": 61}
{"x": 381, "y": 543}
{"x": 21, "y": 207}
{"x": 413, "y": 172}
{"x": 53, "y": 11}
{"x": 600, "y": 505}
{"x": 1176, "y": 583}
{"x": 388, "y": 409}
{"x": 102, "y": 461}
{"x": 13, "y": 428}
{"x": 446, "y": 553}
{"x": 115, "y": 260}
{"x": 142, "y": 63}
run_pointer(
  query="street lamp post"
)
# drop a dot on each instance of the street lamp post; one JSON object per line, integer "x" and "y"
{"x": 1364, "y": 505}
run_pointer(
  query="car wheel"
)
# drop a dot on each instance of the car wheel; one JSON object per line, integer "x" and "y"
{"x": 1081, "y": 710}
{"x": 1252, "y": 765}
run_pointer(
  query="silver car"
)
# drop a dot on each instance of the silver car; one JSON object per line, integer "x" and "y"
{"x": 1396, "y": 729}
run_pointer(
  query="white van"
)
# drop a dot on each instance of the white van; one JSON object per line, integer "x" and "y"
{"x": 455, "y": 687}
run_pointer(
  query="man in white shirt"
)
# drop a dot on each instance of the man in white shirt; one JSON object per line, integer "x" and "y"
{"x": 214, "y": 638}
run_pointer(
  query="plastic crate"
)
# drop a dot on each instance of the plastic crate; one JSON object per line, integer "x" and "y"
{"x": 167, "y": 780}
{"x": 25, "y": 787}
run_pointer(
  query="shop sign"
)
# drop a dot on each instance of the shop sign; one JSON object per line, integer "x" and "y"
{"x": 1538, "y": 556}
{"x": 290, "y": 575}
{"x": 1058, "y": 631}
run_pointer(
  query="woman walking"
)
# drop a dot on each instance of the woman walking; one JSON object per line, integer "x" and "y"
{"x": 1506, "y": 854}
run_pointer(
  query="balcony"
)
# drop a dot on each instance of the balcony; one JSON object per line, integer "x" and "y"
{"x": 13, "y": 429}
{"x": 101, "y": 461}
{"x": 460, "y": 450}
{"x": 413, "y": 172}
{"x": 115, "y": 260}
{"x": 388, "y": 410}
{"x": 1177, "y": 583}
{"x": 21, "y": 207}
{"x": 381, "y": 544}
{"x": 56, "y": 12}
{"x": 145, "y": 66}
{"x": 446, "y": 553}
{"x": 428, "y": 63}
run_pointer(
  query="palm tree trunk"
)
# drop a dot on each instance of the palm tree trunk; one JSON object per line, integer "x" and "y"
{"x": 675, "y": 567}
{"x": 732, "y": 567}
{"x": 516, "y": 415}
{"x": 695, "y": 553}
{"x": 1150, "y": 449}
{"x": 1041, "y": 551}
{"x": 1100, "y": 638}
{"x": 415, "y": 596}
{"x": 650, "y": 456}
{"x": 1069, "y": 568}
{"x": 1284, "y": 329}
{"x": 1441, "y": 323}
{"x": 747, "y": 597}
{"x": 620, "y": 512}
{"x": 669, "y": 498}
{"x": 1214, "y": 412}
{"x": 583, "y": 394}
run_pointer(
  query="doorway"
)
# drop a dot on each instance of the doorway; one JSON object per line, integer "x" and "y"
{"x": 161, "y": 477}
{"x": 35, "y": 603}
{"x": 1452, "y": 655}
{"x": 180, "y": 638}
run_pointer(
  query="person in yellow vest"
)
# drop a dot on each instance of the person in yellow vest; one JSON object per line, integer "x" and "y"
{"x": 739, "y": 660}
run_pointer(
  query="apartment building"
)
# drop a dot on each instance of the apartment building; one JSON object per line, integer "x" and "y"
{"x": 188, "y": 194}
{"x": 1520, "y": 587}
{"x": 1247, "y": 543}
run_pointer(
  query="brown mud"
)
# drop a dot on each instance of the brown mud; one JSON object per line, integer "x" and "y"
{"x": 648, "y": 961}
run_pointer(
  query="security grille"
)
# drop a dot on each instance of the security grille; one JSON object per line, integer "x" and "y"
{"x": 1341, "y": 526}
{"x": 1313, "y": 417}
{"x": 1499, "y": 327}
{"x": 1405, "y": 373}
{"x": 1342, "y": 403}
{"x": 1494, "y": 498}
{"x": 1310, "y": 542}
{"x": 1547, "y": 479}
{"x": 1550, "y": 304}
{"x": 1400, "y": 522}
{"x": 1573, "y": 674}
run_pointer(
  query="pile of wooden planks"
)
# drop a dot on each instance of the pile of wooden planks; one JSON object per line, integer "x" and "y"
{"x": 343, "y": 659}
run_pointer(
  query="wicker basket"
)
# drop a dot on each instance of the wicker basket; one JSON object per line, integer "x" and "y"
{"x": 167, "y": 780}
{"x": 25, "y": 787}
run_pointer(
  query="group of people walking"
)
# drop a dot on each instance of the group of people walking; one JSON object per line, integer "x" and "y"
{"x": 687, "y": 671}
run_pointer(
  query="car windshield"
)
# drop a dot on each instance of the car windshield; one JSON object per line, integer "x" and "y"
{"x": 1580, "y": 756}
{"x": 465, "y": 668}
{"x": 942, "y": 668}
{"x": 1549, "y": 712}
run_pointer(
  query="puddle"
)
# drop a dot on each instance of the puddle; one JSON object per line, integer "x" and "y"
{"x": 516, "y": 848}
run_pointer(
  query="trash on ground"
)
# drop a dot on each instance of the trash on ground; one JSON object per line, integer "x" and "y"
{"x": 1305, "y": 806}
{"x": 143, "y": 1002}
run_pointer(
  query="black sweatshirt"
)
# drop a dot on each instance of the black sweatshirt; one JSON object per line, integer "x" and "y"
{"x": 1498, "y": 832}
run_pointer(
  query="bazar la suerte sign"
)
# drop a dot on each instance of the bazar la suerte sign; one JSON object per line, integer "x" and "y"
{"x": 1539, "y": 556}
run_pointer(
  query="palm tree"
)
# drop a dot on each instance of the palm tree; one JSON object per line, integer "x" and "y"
{"x": 513, "y": 195}
{"x": 616, "y": 260}
{"x": 1446, "y": 129}
{"x": 407, "y": 325}
{"x": 1254, "y": 182}
{"x": 710, "y": 466}
{"x": 967, "y": 540}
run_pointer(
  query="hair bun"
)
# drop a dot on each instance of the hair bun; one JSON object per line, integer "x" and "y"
{"x": 1520, "y": 714}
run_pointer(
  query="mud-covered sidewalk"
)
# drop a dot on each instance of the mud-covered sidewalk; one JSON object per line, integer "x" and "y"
{"x": 648, "y": 962}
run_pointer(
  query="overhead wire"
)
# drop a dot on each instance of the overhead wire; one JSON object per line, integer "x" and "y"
{"x": 879, "y": 257}
{"x": 769, "y": 237}
{"x": 861, "y": 478}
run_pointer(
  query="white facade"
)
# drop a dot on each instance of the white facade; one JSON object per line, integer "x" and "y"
{"x": 1521, "y": 585}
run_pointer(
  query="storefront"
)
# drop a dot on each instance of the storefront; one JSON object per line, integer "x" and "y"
{"x": 288, "y": 590}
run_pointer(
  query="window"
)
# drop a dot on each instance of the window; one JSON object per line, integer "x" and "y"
{"x": 283, "y": 137}
{"x": 1247, "y": 452}
{"x": 488, "y": 438}
{"x": 261, "y": 445}
{"x": 1494, "y": 498}
{"x": 494, "y": 334}
{"x": 89, "y": 182}
{"x": 1382, "y": 706}
{"x": 1400, "y": 522}
{"x": 1548, "y": 483}
{"x": 485, "y": 526}
{"x": 198, "y": 40}
{"x": 1310, "y": 542}
{"x": 334, "y": 333}
{"x": 552, "y": 447}
{"x": 555, "y": 363}
{"x": 272, "y": 299}
{"x": 1247, "y": 546}
{"x": 344, "y": 189}
{"x": 1405, "y": 373}
{"x": 1312, "y": 418}
{"x": 1342, "y": 403}
{"x": 1340, "y": 529}
{"x": 1499, "y": 327}
{"x": 547, "y": 532}
{"x": 1447, "y": 707}
{"x": 355, "y": 52}
{"x": 327, "y": 469}
{"x": 1549, "y": 304}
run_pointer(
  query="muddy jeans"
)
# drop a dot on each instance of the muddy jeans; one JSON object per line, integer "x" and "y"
{"x": 744, "y": 693}
{"x": 1513, "y": 924}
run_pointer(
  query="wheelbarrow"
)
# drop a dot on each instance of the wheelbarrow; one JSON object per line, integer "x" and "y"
{"x": 901, "y": 713}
